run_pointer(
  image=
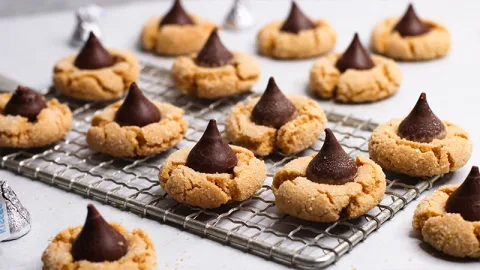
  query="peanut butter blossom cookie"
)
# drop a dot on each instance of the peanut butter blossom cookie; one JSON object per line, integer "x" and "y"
{"x": 100, "y": 245}
{"x": 420, "y": 144}
{"x": 212, "y": 173}
{"x": 354, "y": 76}
{"x": 96, "y": 74}
{"x": 215, "y": 72}
{"x": 410, "y": 38}
{"x": 449, "y": 219}
{"x": 176, "y": 33}
{"x": 273, "y": 121}
{"x": 296, "y": 37}
{"x": 329, "y": 185}
{"x": 28, "y": 120}
{"x": 136, "y": 127}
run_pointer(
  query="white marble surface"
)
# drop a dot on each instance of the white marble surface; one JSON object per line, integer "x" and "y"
{"x": 30, "y": 46}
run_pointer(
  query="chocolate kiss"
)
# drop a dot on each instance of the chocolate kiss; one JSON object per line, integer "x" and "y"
{"x": 176, "y": 15}
{"x": 25, "y": 102}
{"x": 93, "y": 55}
{"x": 296, "y": 21}
{"x": 211, "y": 154}
{"x": 98, "y": 241}
{"x": 273, "y": 109}
{"x": 410, "y": 24}
{"x": 465, "y": 200}
{"x": 355, "y": 57}
{"x": 137, "y": 110}
{"x": 421, "y": 125}
{"x": 214, "y": 53}
{"x": 331, "y": 165}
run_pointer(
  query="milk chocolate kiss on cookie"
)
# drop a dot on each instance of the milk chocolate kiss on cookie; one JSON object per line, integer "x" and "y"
{"x": 273, "y": 109}
{"x": 176, "y": 15}
{"x": 296, "y": 21}
{"x": 421, "y": 125}
{"x": 137, "y": 110}
{"x": 214, "y": 53}
{"x": 212, "y": 154}
{"x": 93, "y": 55}
{"x": 98, "y": 241}
{"x": 465, "y": 200}
{"x": 410, "y": 24}
{"x": 355, "y": 57}
{"x": 25, "y": 102}
{"x": 332, "y": 165}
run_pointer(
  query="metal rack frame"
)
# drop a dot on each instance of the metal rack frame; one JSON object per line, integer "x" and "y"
{"x": 254, "y": 225}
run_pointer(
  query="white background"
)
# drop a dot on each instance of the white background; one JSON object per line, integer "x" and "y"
{"x": 31, "y": 45}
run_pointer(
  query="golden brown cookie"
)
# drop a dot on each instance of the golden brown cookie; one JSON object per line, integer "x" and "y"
{"x": 141, "y": 253}
{"x": 107, "y": 136}
{"x": 433, "y": 44}
{"x": 300, "y": 197}
{"x": 51, "y": 125}
{"x": 449, "y": 233}
{"x": 412, "y": 158}
{"x": 294, "y": 136}
{"x": 377, "y": 83}
{"x": 207, "y": 190}
{"x": 96, "y": 84}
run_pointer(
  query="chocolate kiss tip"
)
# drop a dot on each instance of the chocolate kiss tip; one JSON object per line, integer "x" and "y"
{"x": 176, "y": 15}
{"x": 93, "y": 55}
{"x": 273, "y": 109}
{"x": 214, "y": 53}
{"x": 422, "y": 125}
{"x": 410, "y": 24}
{"x": 98, "y": 241}
{"x": 137, "y": 110}
{"x": 355, "y": 57}
{"x": 26, "y": 103}
{"x": 212, "y": 154}
{"x": 332, "y": 165}
{"x": 297, "y": 21}
{"x": 465, "y": 200}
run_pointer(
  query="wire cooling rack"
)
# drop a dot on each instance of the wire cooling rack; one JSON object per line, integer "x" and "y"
{"x": 254, "y": 225}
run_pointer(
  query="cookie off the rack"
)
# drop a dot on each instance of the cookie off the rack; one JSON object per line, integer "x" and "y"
{"x": 96, "y": 74}
{"x": 329, "y": 185}
{"x": 273, "y": 121}
{"x": 100, "y": 245}
{"x": 136, "y": 127}
{"x": 28, "y": 120}
{"x": 212, "y": 173}
{"x": 176, "y": 33}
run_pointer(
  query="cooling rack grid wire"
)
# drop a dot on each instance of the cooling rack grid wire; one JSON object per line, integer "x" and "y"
{"x": 254, "y": 225}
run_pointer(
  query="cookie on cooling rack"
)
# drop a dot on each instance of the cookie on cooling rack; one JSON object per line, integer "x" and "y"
{"x": 329, "y": 185}
{"x": 449, "y": 219}
{"x": 215, "y": 72}
{"x": 410, "y": 38}
{"x": 296, "y": 37}
{"x": 100, "y": 245}
{"x": 136, "y": 127}
{"x": 28, "y": 120}
{"x": 212, "y": 173}
{"x": 420, "y": 144}
{"x": 96, "y": 74}
{"x": 273, "y": 121}
{"x": 354, "y": 76}
{"x": 176, "y": 33}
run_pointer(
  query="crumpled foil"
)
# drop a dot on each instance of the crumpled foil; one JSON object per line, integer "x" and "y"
{"x": 87, "y": 21}
{"x": 15, "y": 219}
{"x": 239, "y": 16}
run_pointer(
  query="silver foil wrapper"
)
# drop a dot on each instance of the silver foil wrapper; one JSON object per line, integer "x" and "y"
{"x": 239, "y": 17}
{"x": 87, "y": 21}
{"x": 15, "y": 220}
